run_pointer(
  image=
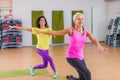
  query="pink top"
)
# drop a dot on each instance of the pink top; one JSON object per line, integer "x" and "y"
{"x": 76, "y": 45}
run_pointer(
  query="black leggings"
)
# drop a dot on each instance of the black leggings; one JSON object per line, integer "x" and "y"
{"x": 81, "y": 68}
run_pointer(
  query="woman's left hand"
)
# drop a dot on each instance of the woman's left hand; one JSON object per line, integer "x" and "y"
{"x": 103, "y": 50}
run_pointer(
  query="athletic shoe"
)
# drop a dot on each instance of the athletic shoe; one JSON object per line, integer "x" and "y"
{"x": 31, "y": 71}
{"x": 55, "y": 75}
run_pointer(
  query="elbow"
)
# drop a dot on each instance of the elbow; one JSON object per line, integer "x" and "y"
{"x": 94, "y": 41}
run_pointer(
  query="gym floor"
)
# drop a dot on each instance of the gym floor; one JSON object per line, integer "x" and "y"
{"x": 102, "y": 66}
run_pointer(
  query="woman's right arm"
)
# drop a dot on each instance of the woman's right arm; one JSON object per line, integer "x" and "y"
{"x": 22, "y": 28}
{"x": 56, "y": 33}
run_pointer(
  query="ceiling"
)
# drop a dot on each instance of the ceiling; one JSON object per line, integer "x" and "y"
{"x": 110, "y": 0}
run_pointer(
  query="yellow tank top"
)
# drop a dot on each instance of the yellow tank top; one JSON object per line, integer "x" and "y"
{"x": 42, "y": 39}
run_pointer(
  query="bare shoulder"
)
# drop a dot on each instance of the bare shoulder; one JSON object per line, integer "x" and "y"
{"x": 88, "y": 32}
{"x": 69, "y": 30}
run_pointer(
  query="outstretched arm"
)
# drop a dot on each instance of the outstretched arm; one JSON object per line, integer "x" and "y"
{"x": 56, "y": 33}
{"x": 96, "y": 42}
{"x": 22, "y": 28}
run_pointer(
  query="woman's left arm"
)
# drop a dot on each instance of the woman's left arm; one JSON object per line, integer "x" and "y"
{"x": 96, "y": 42}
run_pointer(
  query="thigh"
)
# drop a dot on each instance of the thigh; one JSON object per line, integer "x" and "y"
{"x": 79, "y": 65}
{"x": 43, "y": 53}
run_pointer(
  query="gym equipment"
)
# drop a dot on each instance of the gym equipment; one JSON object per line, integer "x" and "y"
{"x": 11, "y": 37}
{"x": 113, "y": 35}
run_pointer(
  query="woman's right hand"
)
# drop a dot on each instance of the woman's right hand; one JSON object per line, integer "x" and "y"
{"x": 12, "y": 27}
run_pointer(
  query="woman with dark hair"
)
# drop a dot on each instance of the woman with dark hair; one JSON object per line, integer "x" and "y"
{"x": 42, "y": 47}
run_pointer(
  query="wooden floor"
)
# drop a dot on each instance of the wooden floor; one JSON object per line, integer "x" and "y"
{"x": 102, "y": 67}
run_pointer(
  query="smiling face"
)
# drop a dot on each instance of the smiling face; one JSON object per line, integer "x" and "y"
{"x": 78, "y": 19}
{"x": 42, "y": 23}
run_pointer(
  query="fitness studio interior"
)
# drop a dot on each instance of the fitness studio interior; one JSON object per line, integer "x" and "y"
{"x": 18, "y": 53}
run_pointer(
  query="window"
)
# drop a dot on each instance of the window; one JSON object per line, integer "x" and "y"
{"x": 5, "y": 9}
{"x": 5, "y": 3}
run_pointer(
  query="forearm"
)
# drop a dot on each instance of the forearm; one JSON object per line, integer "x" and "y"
{"x": 23, "y": 28}
{"x": 54, "y": 33}
{"x": 58, "y": 33}
{"x": 97, "y": 43}
{"x": 100, "y": 47}
{"x": 94, "y": 40}
{"x": 45, "y": 32}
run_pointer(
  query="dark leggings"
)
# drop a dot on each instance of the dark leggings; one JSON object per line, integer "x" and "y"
{"x": 81, "y": 68}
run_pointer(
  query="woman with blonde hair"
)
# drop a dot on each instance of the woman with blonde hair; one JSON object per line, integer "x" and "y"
{"x": 77, "y": 38}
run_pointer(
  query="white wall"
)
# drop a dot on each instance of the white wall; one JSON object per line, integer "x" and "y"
{"x": 100, "y": 20}
{"x": 22, "y": 10}
{"x": 113, "y": 9}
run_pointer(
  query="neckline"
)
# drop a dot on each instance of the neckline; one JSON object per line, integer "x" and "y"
{"x": 79, "y": 33}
